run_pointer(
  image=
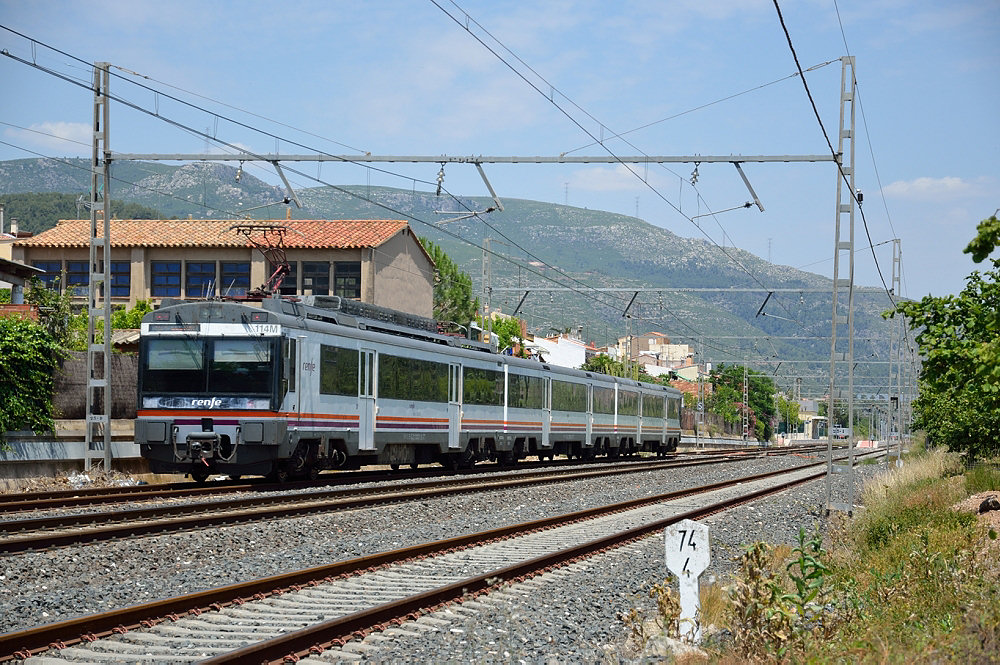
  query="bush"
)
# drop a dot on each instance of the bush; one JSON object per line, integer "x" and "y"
{"x": 29, "y": 356}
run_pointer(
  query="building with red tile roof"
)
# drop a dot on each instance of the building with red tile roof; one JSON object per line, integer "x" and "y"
{"x": 376, "y": 261}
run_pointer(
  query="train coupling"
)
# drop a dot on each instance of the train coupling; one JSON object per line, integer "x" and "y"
{"x": 202, "y": 445}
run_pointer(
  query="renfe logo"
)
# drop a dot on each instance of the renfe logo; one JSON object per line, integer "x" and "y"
{"x": 209, "y": 403}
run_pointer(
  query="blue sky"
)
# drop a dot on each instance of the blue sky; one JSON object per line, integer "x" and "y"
{"x": 402, "y": 78}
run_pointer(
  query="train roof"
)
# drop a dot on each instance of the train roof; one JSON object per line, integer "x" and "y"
{"x": 305, "y": 312}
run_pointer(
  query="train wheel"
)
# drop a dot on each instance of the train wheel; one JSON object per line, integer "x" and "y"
{"x": 279, "y": 474}
{"x": 235, "y": 476}
{"x": 394, "y": 467}
{"x": 414, "y": 465}
{"x": 200, "y": 473}
{"x": 313, "y": 473}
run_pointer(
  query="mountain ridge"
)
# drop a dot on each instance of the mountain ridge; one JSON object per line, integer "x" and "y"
{"x": 532, "y": 242}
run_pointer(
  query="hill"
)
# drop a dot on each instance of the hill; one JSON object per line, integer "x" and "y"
{"x": 539, "y": 245}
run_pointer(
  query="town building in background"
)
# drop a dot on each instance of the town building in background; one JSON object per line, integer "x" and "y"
{"x": 375, "y": 261}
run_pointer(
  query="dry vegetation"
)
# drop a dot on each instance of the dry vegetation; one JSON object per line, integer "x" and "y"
{"x": 913, "y": 578}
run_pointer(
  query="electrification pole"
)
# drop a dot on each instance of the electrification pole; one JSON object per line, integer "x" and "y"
{"x": 842, "y": 323}
{"x": 746, "y": 402}
{"x": 893, "y": 444}
{"x": 99, "y": 295}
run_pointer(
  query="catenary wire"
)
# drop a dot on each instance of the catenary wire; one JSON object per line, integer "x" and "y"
{"x": 209, "y": 137}
{"x": 655, "y": 191}
{"x": 840, "y": 168}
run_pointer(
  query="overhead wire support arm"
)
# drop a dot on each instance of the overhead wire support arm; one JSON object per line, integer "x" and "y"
{"x": 518, "y": 308}
{"x": 498, "y": 206}
{"x": 629, "y": 306}
{"x": 746, "y": 181}
{"x": 288, "y": 186}
{"x": 769, "y": 294}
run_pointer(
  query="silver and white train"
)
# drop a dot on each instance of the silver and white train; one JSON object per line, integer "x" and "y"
{"x": 296, "y": 386}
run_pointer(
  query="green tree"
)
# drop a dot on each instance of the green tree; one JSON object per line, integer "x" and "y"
{"x": 453, "y": 299}
{"x": 986, "y": 240}
{"x": 603, "y": 364}
{"x": 959, "y": 339}
{"x": 788, "y": 414}
{"x": 54, "y": 310}
{"x": 122, "y": 318}
{"x": 508, "y": 333}
{"x": 29, "y": 355}
{"x": 760, "y": 388}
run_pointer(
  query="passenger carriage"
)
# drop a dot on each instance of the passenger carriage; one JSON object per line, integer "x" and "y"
{"x": 300, "y": 385}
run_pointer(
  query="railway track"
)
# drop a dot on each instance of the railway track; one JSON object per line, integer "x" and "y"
{"x": 34, "y": 533}
{"x": 315, "y": 610}
{"x": 91, "y": 496}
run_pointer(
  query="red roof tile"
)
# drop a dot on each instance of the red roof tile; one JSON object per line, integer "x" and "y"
{"x": 302, "y": 234}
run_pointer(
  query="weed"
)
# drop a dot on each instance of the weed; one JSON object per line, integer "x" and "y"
{"x": 761, "y": 624}
{"x": 984, "y": 477}
{"x": 808, "y": 573}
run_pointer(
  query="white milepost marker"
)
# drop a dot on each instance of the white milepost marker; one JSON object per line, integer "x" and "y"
{"x": 688, "y": 555}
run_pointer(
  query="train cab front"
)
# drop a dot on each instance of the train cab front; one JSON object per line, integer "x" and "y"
{"x": 209, "y": 389}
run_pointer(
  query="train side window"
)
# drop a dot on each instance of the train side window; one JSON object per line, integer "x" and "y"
{"x": 652, "y": 406}
{"x": 628, "y": 403}
{"x": 525, "y": 392}
{"x": 568, "y": 396}
{"x": 673, "y": 408}
{"x": 412, "y": 379}
{"x": 604, "y": 400}
{"x": 482, "y": 386}
{"x": 338, "y": 371}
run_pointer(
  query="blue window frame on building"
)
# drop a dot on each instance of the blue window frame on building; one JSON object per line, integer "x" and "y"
{"x": 121, "y": 279}
{"x": 200, "y": 279}
{"x": 347, "y": 279}
{"x": 166, "y": 280}
{"x": 53, "y": 271}
{"x": 235, "y": 280}
{"x": 316, "y": 278}
{"x": 78, "y": 277}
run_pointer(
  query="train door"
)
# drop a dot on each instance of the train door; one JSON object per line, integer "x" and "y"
{"x": 590, "y": 416}
{"x": 638, "y": 421}
{"x": 666, "y": 413}
{"x": 366, "y": 400}
{"x": 454, "y": 404}
{"x": 546, "y": 412}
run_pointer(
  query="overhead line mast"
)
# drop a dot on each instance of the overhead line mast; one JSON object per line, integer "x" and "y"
{"x": 98, "y": 414}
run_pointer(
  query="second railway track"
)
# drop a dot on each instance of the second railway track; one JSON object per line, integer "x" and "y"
{"x": 41, "y": 532}
{"x": 266, "y": 619}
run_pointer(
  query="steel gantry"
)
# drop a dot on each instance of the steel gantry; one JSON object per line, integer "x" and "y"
{"x": 844, "y": 204}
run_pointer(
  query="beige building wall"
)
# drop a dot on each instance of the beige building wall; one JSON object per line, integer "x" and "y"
{"x": 403, "y": 276}
{"x": 397, "y": 274}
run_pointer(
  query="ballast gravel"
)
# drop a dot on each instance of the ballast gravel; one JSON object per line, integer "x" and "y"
{"x": 572, "y": 615}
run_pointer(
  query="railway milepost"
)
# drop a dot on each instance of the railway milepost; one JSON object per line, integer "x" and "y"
{"x": 688, "y": 555}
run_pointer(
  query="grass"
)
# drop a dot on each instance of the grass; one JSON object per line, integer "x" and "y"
{"x": 908, "y": 580}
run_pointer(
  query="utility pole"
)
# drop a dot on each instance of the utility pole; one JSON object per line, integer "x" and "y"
{"x": 842, "y": 320}
{"x": 488, "y": 289}
{"x": 894, "y": 445}
{"x": 746, "y": 401}
{"x": 99, "y": 294}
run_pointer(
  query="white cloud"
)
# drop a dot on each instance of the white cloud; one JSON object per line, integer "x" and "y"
{"x": 617, "y": 178}
{"x": 63, "y": 137}
{"x": 935, "y": 189}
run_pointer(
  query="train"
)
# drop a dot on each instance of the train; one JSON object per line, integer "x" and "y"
{"x": 292, "y": 386}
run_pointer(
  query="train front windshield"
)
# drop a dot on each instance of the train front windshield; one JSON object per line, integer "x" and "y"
{"x": 208, "y": 367}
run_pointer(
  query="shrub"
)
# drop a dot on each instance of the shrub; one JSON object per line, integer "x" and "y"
{"x": 29, "y": 356}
